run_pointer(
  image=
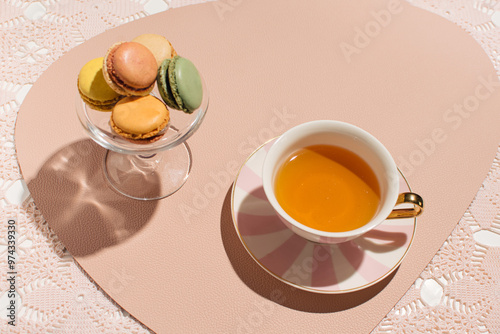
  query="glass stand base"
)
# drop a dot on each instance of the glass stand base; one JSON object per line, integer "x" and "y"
{"x": 150, "y": 177}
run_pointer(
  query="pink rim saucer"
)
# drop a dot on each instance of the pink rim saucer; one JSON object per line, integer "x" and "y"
{"x": 320, "y": 268}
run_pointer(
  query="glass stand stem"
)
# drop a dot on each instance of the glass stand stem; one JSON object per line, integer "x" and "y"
{"x": 148, "y": 177}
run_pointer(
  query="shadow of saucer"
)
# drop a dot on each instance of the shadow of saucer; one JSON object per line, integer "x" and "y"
{"x": 277, "y": 291}
{"x": 80, "y": 206}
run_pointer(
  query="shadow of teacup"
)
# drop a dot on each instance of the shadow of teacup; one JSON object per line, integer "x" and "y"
{"x": 274, "y": 288}
{"x": 74, "y": 197}
{"x": 382, "y": 241}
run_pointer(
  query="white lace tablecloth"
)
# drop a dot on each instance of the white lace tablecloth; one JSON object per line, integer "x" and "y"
{"x": 458, "y": 292}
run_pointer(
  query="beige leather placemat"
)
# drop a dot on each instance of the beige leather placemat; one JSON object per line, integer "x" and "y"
{"x": 417, "y": 82}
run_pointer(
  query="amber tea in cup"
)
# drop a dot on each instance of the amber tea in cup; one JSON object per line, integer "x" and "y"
{"x": 327, "y": 188}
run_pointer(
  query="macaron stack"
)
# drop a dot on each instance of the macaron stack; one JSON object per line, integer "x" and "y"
{"x": 122, "y": 80}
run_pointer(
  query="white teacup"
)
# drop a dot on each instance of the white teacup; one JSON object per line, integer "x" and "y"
{"x": 366, "y": 146}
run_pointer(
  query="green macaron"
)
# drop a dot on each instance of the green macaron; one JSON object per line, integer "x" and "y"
{"x": 179, "y": 84}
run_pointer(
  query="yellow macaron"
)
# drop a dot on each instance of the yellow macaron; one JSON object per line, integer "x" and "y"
{"x": 93, "y": 88}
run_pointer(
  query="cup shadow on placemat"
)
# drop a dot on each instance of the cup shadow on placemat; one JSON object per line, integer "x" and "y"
{"x": 271, "y": 288}
{"x": 82, "y": 208}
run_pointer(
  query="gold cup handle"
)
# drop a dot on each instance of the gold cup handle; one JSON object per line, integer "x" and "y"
{"x": 408, "y": 198}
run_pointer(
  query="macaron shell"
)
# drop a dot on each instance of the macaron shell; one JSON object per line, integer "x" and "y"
{"x": 140, "y": 117}
{"x": 159, "y": 46}
{"x": 164, "y": 85}
{"x": 92, "y": 86}
{"x": 188, "y": 82}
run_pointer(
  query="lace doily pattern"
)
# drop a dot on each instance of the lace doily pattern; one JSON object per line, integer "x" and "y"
{"x": 458, "y": 292}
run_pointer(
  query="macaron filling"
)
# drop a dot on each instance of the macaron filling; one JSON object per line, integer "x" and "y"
{"x": 99, "y": 105}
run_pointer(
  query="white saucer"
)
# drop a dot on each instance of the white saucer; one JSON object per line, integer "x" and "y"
{"x": 320, "y": 268}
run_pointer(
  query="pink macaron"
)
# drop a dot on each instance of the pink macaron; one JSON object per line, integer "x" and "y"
{"x": 130, "y": 69}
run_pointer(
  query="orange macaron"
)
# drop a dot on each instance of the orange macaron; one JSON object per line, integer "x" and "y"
{"x": 140, "y": 118}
